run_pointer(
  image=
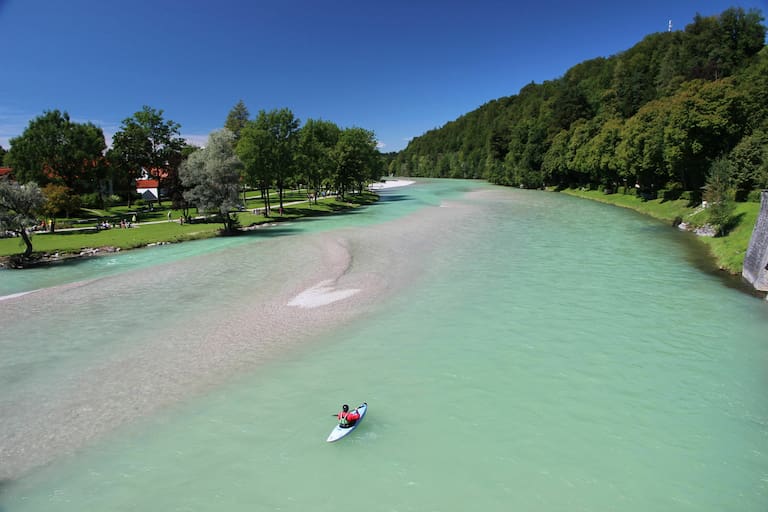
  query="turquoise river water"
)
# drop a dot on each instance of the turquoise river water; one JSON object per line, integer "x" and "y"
{"x": 518, "y": 350}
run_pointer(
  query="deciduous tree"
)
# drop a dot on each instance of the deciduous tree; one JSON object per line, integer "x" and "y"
{"x": 58, "y": 199}
{"x": 640, "y": 153}
{"x": 212, "y": 177}
{"x": 703, "y": 122}
{"x": 147, "y": 141}
{"x": 54, "y": 149}
{"x": 266, "y": 148}
{"x": 253, "y": 151}
{"x": 316, "y": 140}
{"x": 19, "y": 206}
{"x": 749, "y": 160}
{"x": 356, "y": 160}
{"x": 555, "y": 162}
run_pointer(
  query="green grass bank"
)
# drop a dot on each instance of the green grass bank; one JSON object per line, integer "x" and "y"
{"x": 153, "y": 227}
{"x": 727, "y": 251}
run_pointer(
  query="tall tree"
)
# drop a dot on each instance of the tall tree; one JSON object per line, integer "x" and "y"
{"x": 555, "y": 164}
{"x": 749, "y": 160}
{"x": 266, "y": 148}
{"x": 570, "y": 105}
{"x": 598, "y": 156}
{"x": 640, "y": 153}
{"x": 582, "y": 133}
{"x": 3, "y": 152}
{"x": 317, "y": 138}
{"x": 54, "y": 149}
{"x": 147, "y": 141}
{"x": 19, "y": 205}
{"x": 212, "y": 177}
{"x": 715, "y": 46}
{"x": 719, "y": 194}
{"x": 253, "y": 151}
{"x": 58, "y": 199}
{"x": 356, "y": 160}
{"x": 705, "y": 120}
{"x": 237, "y": 119}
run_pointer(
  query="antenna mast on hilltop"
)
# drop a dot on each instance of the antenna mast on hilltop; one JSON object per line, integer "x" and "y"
{"x": 669, "y": 26}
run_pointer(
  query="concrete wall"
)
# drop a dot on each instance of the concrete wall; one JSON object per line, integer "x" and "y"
{"x": 756, "y": 260}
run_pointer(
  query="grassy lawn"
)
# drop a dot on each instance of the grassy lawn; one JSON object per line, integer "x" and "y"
{"x": 728, "y": 251}
{"x": 137, "y": 236}
{"x": 89, "y": 217}
{"x": 143, "y": 234}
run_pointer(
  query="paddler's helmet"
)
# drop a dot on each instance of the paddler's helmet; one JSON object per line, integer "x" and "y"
{"x": 345, "y": 408}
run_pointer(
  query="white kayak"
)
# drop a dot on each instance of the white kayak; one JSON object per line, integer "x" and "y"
{"x": 338, "y": 432}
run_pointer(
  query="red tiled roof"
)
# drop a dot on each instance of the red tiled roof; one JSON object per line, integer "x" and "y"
{"x": 147, "y": 183}
{"x": 155, "y": 172}
{"x": 4, "y": 171}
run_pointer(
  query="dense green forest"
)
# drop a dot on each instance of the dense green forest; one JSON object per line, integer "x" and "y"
{"x": 659, "y": 120}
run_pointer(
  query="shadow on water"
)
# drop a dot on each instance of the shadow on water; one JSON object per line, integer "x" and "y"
{"x": 4, "y": 484}
{"x": 395, "y": 197}
{"x": 697, "y": 255}
{"x": 269, "y": 232}
{"x": 306, "y": 215}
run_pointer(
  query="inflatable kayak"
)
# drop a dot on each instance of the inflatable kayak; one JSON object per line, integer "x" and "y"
{"x": 339, "y": 432}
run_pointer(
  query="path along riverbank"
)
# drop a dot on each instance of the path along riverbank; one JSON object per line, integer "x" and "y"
{"x": 74, "y": 243}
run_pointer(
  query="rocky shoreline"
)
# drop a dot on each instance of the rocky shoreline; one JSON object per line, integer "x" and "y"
{"x": 39, "y": 260}
{"x": 42, "y": 259}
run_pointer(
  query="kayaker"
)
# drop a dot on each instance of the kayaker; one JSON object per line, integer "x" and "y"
{"x": 348, "y": 418}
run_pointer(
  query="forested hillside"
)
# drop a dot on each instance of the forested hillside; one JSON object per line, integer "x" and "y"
{"x": 655, "y": 119}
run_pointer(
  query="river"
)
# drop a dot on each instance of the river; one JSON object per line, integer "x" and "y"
{"x": 517, "y": 349}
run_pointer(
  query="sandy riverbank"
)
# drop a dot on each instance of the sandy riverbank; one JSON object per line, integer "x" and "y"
{"x": 382, "y": 185}
{"x": 127, "y": 346}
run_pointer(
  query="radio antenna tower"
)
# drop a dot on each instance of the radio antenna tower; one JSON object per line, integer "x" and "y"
{"x": 669, "y": 26}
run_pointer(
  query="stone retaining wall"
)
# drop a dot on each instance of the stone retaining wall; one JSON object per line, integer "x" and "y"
{"x": 756, "y": 260}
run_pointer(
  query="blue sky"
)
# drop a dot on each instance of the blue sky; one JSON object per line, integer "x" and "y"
{"x": 398, "y": 68}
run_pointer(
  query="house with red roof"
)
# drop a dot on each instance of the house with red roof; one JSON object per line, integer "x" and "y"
{"x": 149, "y": 190}
{"x": 148, "y": 185}
{"x": 6, "y": 172}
